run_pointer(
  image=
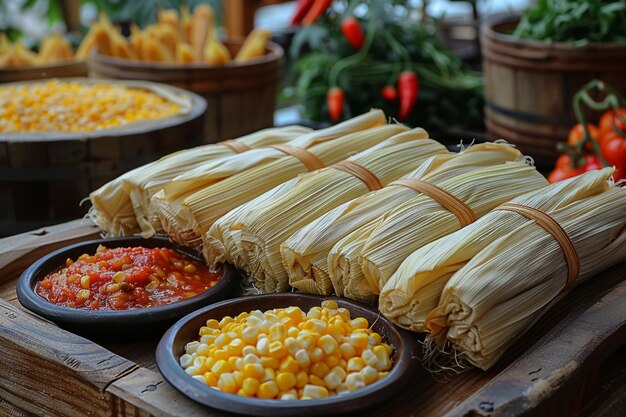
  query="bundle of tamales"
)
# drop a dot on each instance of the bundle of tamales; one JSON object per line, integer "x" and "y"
{"x": 186, "y": 215}
{"x": 120, "y": 207}
{"x": 497, "y": 296}
{"x": 479, "y": 176}
{"x": 415, "y": 288}
{"x": 265, "y": 223}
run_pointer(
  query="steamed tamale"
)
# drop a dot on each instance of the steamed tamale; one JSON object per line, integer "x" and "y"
{"x": 183, "y": 201}
{"x": 415, "y": 288}
{"x": 144, "y": 183}
{"x": 119, "y": 207}
{"x": 306, "y": 253}
{"x": 263, "y": 228}
{"x": 497, "y": 296}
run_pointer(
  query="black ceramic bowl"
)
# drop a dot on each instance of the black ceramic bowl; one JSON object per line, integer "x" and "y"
{"x": 116, "y": 323}
{"x": 172, "y": 346}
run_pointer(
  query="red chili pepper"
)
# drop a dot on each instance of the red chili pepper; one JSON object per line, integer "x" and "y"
{"x": 334, "y": 102}
{"x": 389, "y": 93}
{"x": 352, "y": 31}
{"x": 301, "y": 10}
{"x": 317, "y": 9}
{"x": 408, "y": 88}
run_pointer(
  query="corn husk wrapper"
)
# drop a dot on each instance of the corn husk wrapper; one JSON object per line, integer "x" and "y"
{"x": 221, "y": 241}
{"x": 483, "y": 186}
{"x": 120, "y": 207}
{"x": 189, "y": 213}
{"x": 415, "y": 288}
{"x": 265, "y": 227}
{"x": 144, "y": 184}
{"x": 494, "y": 299}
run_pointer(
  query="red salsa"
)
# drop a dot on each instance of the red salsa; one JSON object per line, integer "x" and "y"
{"x": 126, "y": 278}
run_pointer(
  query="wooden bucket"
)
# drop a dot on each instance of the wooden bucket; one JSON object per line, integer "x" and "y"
{"x": 529, "y": 86}
{"x": 67, "y": 69}
{"x": 44, "y": 177}
{"x": 241, "y": 97}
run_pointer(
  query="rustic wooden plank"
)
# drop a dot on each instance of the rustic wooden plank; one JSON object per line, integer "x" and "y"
{"x": 45, "y": 370}
{"x": 574, "y": 349}
{"x": 18, "y": 252}
{"x": 148, "y": 391}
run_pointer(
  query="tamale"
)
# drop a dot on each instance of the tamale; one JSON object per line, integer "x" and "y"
{"x": 306, "y": 252}
{"x": 264, "y": 227}
{"x": 415, "y": 288}
{"x": 142, "y": 185}
{"x": 119, "y": 207}
{"x": 397, "y": 235}
{"x": 497, "y": 296}
{"x": 187, "y": 210}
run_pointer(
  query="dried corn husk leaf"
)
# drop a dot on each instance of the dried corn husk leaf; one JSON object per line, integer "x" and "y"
{"x": 415, "y": 288}
{"x": 216, "y": 53}
{"x": 121, "y": 207}
{"x": 189, "y": 204}
{"x": 497, "y": 296}
{"x": 202, "y": 24}
{"x": 264, "y": 227}
{"x": 54, "y": 48}
{"x": 254, "y": 45}
{"x": 184, "y": 53}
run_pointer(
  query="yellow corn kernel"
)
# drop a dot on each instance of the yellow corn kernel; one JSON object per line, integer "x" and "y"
{"x": 249, "y": 334}
{"x": 210, "y": 379}
{"x": 330, "y": 304}
{"x": 293, "y": 332}
{"x": 232, "y": 363}
{"x": 347, "y": 351}
{"x": 278, "y": 331}
{"x": 369, "y": 357}
{"x": 278, "y": 350}
{"x": 381, "y": 375}
{"x": 268, "y": 390}
{"x": 250, "y": 386}
{"x": 202, "y": 349}
{"x": 239, "y": 378}
{"x": 307, "y": 340}
{"x": 292, "y": 345}
{"x": 235, "y": 346}
{"x": 85, "y": 280}
{"x": 222, "y": 340}
{"x": 336, "y": 331}
{"x": 253, "y": 370}
{"x": 295, "y": 314}
{"x": 328, "y": 344}
{"x": 359, "y": 323}
{"x": 269, "y": 375}
{"x": 333, "y": 360}
{"x": 316, "y": 354}
{"x": 289, "y": 364}
{"x": 335, "y": 377}
{"x": 359, "y": 340}
{"x": 355, "y": 364}
{"x": 249, "y": 350}
{"x": 377, "y": 338}
{"x": 191, "y": 347}
{"x": 313, "y": 391}
{"x": 226, "y": 383}
{"x": 263, "y": 346}
{"x": 355, "y": 381}
{"x": 302, "y": 378}
{"x": 286, "y": 380}
{"x": 251, "y": 358}
{"x": 320, "y": 369}
{"x": 269, "y": 362}
{"x": 303, "y": 359}
{"x": 220, "y": 355}
{"x": 370, "y": 374}
{"x": 220, "y": 367}
{"x": 316, "y": 380}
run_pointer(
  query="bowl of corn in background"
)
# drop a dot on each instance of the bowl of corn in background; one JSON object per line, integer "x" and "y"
{"x": 172, "y": 346}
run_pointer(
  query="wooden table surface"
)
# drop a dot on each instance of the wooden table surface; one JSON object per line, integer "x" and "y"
{"x": 569, "y": 364}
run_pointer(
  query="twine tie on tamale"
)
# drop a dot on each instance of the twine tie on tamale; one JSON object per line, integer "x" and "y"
{"x": 462, "y": 211}
{"x": 554, "y": 228}
{"x": 310, "y": 161}
{"x": 237, "y": 147}
{"x": 366, "y": 176}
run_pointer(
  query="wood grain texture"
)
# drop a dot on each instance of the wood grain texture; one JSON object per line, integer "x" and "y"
{"x": 559, "y": 368}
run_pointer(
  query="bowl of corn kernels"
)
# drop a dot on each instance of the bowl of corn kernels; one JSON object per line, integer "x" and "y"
{"x": 287, "y": 354}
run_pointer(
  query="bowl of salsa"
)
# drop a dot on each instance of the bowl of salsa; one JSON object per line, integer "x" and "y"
{"x": 130, "y": 286}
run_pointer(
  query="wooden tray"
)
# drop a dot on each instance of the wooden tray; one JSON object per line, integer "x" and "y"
{"x": 570, "y": 364}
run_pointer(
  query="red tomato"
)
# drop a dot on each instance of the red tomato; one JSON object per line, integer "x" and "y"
{"x": 564, "y": 161}
{"x": 577, "y": 133}
{"x": 564, "y": 173}
{"x": 614, "y": 118}
{"x": 614, "y": 151}
{"x": 591, "y": 162}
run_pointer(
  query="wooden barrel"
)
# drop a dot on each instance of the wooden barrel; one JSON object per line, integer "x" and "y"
{"x": 241, "y": 97}
{"x": 529, "y": 86}
{"x": 66, "y": 69}
{"x": 44, "y": 176}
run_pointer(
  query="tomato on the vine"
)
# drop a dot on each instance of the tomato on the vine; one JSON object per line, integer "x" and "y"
{"x": 563, "y": 173}
{"x": 577, "y": 133}
{"x": 614, "y": 152}
{"x": 613, "y": 119}
{"x": 564, "y": 160}
{"x": 591, "y": 162}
